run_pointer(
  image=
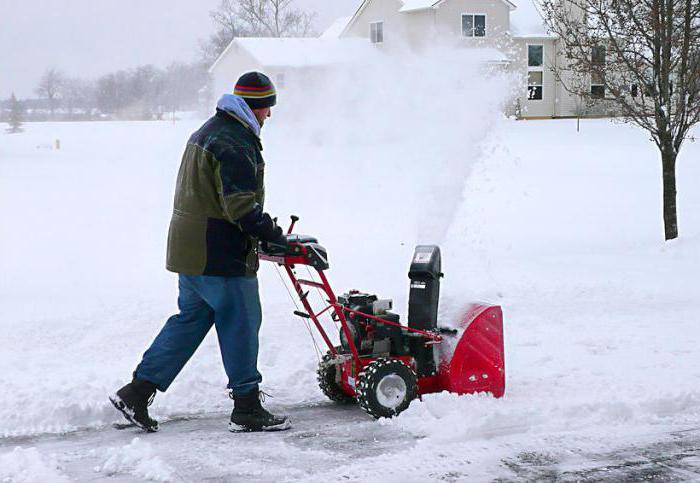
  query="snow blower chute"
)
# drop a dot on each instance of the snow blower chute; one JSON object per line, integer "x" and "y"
{"x": 381, "y": 363}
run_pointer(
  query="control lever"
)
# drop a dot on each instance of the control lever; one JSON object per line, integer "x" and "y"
{"x": 291, "y": 226}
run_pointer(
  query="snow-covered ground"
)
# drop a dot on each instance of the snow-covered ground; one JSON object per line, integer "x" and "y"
{"x": 563, "y": 229}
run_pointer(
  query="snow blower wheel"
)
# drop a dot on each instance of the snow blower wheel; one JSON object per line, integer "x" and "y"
{"x": 327, "y": 380}
{"x": 386, "y": 387}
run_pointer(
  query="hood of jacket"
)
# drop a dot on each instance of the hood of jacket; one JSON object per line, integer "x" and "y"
{"x": 238, "y": 108}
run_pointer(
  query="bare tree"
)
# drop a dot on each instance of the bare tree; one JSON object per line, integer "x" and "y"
{"x": 255, "y": 18}
{"x": 182, "y": 83}
{"x": 49, "y": 87}
{"x": 642, "y": 59}
{"x": 78, "y": 94}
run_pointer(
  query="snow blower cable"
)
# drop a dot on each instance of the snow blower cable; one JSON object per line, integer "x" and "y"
{"x": 296, "y": 306}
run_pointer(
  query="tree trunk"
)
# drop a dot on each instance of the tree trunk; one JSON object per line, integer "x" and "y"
{"x": 668, "y": 163}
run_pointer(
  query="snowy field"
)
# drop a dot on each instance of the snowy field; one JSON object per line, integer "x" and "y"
{"x": 563, "y": 229}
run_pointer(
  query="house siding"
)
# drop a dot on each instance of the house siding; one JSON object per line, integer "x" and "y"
{"x": 419, "y": 28}
{"x": 387, "y": 11}
{"x": 569, "y": 104}
{"x": 449, "y": 21}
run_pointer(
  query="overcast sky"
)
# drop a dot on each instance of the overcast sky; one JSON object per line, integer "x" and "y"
{"x": 87, "y": 38}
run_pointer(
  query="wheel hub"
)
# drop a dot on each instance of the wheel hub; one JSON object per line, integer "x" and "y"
{"x": 391, "y": 391}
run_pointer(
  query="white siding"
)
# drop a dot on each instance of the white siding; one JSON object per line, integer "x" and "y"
{"x": 414, "y": 29}
{"x": 386, "y": 11}
{"x": 449, "y": 20}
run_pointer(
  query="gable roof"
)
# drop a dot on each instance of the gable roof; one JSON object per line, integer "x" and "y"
{"x": 299, "y": 52}
{"x": 413, "y": 5}
{"x": 409, "y": 6}
{"x": 336, "y": 28}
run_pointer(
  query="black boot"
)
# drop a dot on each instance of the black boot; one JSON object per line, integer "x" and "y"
{"x": 133, "y": 400}
{"x": 249, "y": 415}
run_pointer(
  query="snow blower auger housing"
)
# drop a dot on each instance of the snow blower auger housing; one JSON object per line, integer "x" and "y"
{"x": 381, "y": 363}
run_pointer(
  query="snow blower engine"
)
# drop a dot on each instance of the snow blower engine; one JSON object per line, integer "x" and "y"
{"x": 380, "y": 363}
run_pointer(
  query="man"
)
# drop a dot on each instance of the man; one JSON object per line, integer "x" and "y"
{"x": 217, "y": 222}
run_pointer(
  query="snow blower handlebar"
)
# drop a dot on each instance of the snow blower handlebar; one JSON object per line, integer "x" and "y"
{"x": 305, "y": 250}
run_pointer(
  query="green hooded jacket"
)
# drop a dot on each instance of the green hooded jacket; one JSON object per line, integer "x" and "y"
{"x": 217, "y": 217}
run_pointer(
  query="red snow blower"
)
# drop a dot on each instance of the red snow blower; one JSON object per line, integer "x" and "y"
{"x": 380, "y": 363}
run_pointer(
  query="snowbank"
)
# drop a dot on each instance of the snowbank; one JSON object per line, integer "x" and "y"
{"x": 27, "y": 465}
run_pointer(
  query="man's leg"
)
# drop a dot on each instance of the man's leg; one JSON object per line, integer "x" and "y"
{"x": 166, "y": 357}
{"x": 237, "y": 316}
{"x": 179, "y": 338}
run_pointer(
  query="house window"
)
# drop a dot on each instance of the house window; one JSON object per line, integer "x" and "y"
{"x": 634, "y": 90}
{"x": 535, "y": 72}
{"x": 376, "y": 32}
{"x": 597, "y": 86}
{"x": 598, "y": 72}
{"x": 535, "y": 55}
{"x": 534, "y": 86}
{"x": 598, "y": 55}
{"x": 473, "y": 25}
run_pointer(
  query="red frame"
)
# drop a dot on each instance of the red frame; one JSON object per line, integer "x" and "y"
{"x": 289, "y": 261}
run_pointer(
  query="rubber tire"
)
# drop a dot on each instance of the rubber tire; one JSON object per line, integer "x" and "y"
{"x": 326, "y": 380}
{"x": 369, "y": 378}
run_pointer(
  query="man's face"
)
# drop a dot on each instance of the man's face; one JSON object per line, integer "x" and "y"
{"x": 262, "y": 114}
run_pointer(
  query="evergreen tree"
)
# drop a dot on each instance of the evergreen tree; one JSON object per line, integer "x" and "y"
{"x": 16, "y": 115}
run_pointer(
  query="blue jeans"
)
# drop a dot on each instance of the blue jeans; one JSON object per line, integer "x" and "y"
{"x": 230, "y": 303}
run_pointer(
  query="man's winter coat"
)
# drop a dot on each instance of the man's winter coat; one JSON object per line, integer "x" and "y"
{"x": 218, "y": 215}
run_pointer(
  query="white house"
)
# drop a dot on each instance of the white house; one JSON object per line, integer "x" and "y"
{"x": 513, "y": 28}
{"x": 507, "y": 33}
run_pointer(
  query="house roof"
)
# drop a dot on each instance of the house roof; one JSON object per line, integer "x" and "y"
{"x": 526, "y": 21}
{"x": 413, "y": 5}
{"x": 336, "y": 28}
{"x": 523, "y": 18}
{"x": 300, "y": 52}
{"x": 416, "y": 5}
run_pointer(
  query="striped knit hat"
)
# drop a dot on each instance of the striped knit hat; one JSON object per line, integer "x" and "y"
{"x": 257, "y": 90}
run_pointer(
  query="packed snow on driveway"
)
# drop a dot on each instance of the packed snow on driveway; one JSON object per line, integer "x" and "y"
{"x": 562, "y": 229}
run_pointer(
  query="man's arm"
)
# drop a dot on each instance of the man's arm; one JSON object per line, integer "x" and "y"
{"x": 236, "y": 183}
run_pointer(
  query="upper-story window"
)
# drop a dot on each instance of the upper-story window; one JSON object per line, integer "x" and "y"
{"x": 376, "y": 32}
{"x": 535, "y": 72}
{"x": 473, "y": 25}
{"x": 598, "y": 54}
